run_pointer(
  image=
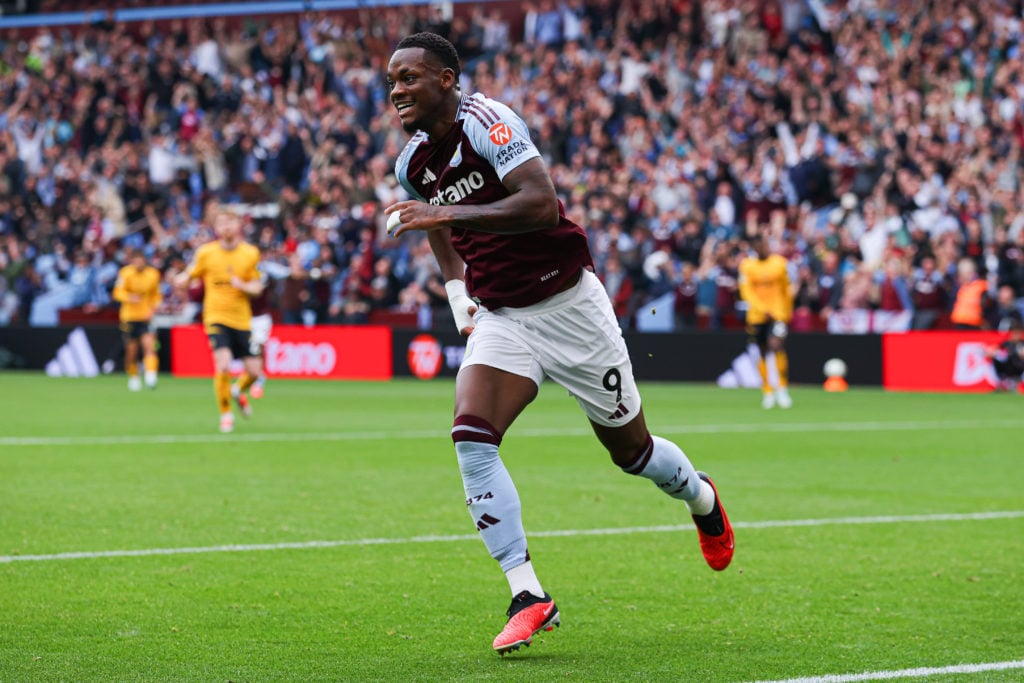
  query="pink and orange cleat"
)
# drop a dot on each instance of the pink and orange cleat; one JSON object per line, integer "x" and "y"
{"x": 527, "y": 616}
{"x": 716, "y": 538}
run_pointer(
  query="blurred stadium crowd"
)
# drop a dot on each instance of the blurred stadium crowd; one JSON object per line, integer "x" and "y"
{"x": 877, "y": 141}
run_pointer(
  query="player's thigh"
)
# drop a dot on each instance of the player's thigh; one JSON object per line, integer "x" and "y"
{"x": 581, "y": 347}
{"x": 129, "y": 336}
{"x": 222, "y": 359}
{"x": 131, "y": 346}
{"x": 500, "y": 374}
{"x": 757, "y": 334}
{"x": 222, "y": 343}
{"x": 492, "y": 394}
{"x": 240, "y": 343}
{"x": 148, "y": 341}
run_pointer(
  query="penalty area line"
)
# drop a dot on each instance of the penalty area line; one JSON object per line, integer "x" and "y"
{"x": 563, "y": 533}
{"x": 918, "y": 672}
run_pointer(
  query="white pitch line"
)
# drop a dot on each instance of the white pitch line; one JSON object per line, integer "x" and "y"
{"x": 302, "y": 545}
{"x": 733, "y": 428}
{"x": 906, "y": 673}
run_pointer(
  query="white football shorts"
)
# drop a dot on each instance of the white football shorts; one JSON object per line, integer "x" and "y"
{"x": 259, "y": 329}
{"x": 571, "y": 337}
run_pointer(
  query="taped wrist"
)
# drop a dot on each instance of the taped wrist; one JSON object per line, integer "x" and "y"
{"x": 458, "y": 299}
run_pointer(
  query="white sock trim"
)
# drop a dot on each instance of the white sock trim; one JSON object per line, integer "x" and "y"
{"x": 522, "y": 578}
{"x": 704, "y": 503}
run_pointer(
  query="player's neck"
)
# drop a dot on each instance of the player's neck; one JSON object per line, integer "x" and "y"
{"x": 446, "y": 118}
{"x": 230, "y": 243}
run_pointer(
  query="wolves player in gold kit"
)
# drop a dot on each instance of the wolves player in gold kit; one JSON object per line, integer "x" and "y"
{"x": 764, "y": 285}
{"x": 138, "y": 290}
{"x": 228, "y": 269}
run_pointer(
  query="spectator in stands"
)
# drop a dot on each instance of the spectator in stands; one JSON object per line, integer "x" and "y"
{"x": 828, "y": 286}
{"x": 725, "y": 275}
{"x": 1004, "y": 312}
{"x": 892, "y": 292}
{"x": 971, "y": 295}
{"x": 1010, "y": 255}
{"x": 930, "y": 294}
{"x": 27, "y": 285}
{"x": 686, "y": 294}
{"x": 653, "y": 116}
{"x": 856, "y": 288}
{"x": 295, "y": 291}
{"x": 349, "y": 298}
{"x": 619, "y": 286}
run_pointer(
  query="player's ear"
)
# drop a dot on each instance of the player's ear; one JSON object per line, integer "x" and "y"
{"x": 448, "y": 79}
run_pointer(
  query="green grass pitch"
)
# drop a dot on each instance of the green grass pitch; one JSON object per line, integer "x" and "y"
{"x": 875, "y": 532}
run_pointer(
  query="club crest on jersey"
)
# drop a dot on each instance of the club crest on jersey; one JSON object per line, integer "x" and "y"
{"x": 459, "y": 190}
{"x": 500, "y": 134}
{"x": 457, "y": 157}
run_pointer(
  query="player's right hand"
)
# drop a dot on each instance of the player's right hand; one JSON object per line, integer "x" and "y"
{"x": 416, "y": 215}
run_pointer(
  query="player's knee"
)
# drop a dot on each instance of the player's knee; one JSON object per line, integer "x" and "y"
{"x": 473, "y": 429}
{"x": 476, "y": 446}
{"x": 632, "y": 456}
{"x": 627, "y": 447}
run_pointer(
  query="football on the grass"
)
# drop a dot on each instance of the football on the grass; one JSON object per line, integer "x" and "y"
{"x": 835, "y": 367}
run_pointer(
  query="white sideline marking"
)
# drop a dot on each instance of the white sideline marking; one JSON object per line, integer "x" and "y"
{"x": 906, "y": 673}
{"x": 299, "y": 545}
{"x": 735, "y": 428}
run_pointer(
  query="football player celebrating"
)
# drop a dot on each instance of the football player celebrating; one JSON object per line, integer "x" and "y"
{"x": 521, "y": 285}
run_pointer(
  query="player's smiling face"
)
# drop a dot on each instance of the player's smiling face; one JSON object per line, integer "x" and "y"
{"x": 420, "y": 88}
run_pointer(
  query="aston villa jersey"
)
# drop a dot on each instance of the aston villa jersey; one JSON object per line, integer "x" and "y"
{"x": 466, "y": 166}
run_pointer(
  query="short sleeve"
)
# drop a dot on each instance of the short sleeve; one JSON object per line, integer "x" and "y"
{"x": 498, "y": 134}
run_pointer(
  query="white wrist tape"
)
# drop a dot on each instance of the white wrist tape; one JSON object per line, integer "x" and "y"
{"x": 458, "y": 299}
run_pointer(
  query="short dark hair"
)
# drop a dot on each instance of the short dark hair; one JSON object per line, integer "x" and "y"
{"x": 438, "y": 46}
